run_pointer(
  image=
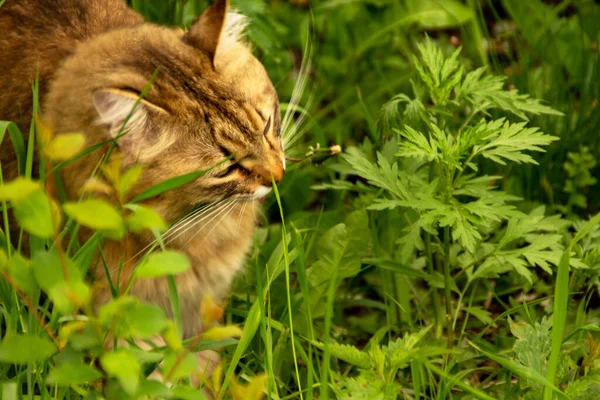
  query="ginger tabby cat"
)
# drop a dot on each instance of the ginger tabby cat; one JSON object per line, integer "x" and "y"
{"x": 211, "y": 98}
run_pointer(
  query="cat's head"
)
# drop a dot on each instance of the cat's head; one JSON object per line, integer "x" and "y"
{"x": 210, "y": 99}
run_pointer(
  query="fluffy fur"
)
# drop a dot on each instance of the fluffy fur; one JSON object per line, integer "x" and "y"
{"x": 211, "y": 99}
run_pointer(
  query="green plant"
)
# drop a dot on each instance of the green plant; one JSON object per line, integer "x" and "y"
{"x": 459, "y": 227}
{"x": 579, "y": 178}
{"x": 111, "y": 350}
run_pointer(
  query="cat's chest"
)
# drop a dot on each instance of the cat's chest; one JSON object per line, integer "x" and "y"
{"x": 217, "y": 252}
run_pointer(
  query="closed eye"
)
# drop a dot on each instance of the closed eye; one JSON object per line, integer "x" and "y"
{"x": 268, "y": 126}
{"x": 229, "y": 170}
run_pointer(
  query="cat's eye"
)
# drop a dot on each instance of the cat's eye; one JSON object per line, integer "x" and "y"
{"x": 268, "y": 126}
{"x": 228, "y": 171}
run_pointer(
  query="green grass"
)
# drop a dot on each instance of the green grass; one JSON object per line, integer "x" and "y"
{"x": 337, "y": 299}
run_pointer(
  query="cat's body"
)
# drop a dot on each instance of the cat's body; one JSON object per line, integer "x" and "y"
{"x": 211, "y": 98}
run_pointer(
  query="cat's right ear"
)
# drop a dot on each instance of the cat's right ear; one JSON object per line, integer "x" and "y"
{"x": 126, "y": 116}
{"x": 206, "y": 33}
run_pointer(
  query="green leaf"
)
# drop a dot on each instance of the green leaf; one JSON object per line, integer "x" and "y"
{"x": 140, "y": 321}
{"x": 21, "y": 273}
{"x": 10, "y": 390}
{"x": 383, "y": 175}
{"x": 146, "y": 357}
{"x": 417, "y": 145}
{"x": 410, "y": 241}
{"x": 68, "y": 295}
{"x": 97, "y": 214}
{"x": 23, "y": 349}
{"x": 185, "y": 368}
{"x": 123, "y": 366}
{"x": 402, "y": 351}
{"x": 435, "y": 15}
{"x": 395, "y": 266}
{"x": 349, "y": 354}
{"x": 129, "y": 178}
{"x": 521, "y": 370}
{"x": 19, "y": 189}
{"x": 584, "y": 388}
{"x": 486, "y": 92}
{"x": 482, "y": 315}
{"x": 165, "y": 263}
{"x": 65, "y": 146}
{"x": 48, "y": 269}
{"x": 155, "y": 390}
{"x": 72, "y": 374}
{"x": 144, "y": 218}
{"x": 34, "y": 214}
{"x": 341, "y": 248}
{"x": 586, "y": 229}
{"x": 188, "y": 393}
{"x": 511, "y": 140}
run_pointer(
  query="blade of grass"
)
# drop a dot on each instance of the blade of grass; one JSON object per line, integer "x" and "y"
{"x": 477, "y": 393}
{"x": 286, "y": 258}
{"x": 31, "y": 139}
{"x": 175, "y": 182}
{"x": 266, "y": 332}
{"x": 250, "y": 327}
{"x": 18, "y": 142}
{"x": 520, "y": 370}
{"x": 302, "y": 279}
{"x": 561, "y": 300}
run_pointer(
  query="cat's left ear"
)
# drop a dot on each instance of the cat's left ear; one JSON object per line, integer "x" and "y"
{"x": 206, "y": 33}
{"x": 129, "y": 118}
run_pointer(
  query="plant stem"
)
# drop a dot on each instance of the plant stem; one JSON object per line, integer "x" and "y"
{"x": 447, "y": 281}
{"x": 435, "y": 300}
{"x": 32, "y": 309}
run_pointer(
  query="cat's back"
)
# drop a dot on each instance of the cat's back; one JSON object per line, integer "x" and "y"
{"x": 37, "y": 35}
{"x": 35, "y": 38}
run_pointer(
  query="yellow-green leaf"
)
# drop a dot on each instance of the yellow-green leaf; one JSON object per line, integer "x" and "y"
{"x": 73, "y": 374}
{"x": 35, "y": 212}
{"x": 129, "y": 178}
{"x": 210, "y": 312}
{"x": 19, "y": 189}
{"x": 95, "y": 185}
{"x": 23, "y": 349}
{"x": 123, "y": 366}
{"x": 3, "y": 259}
{"x": 144, "y": 218}
{"x": 171, "y": 338}
{"x": 97, "y": 214}
{"x": 188, "y": 365}
{"x": 222, "y": 332}
{"x": 65, "y": 146}
{"x": 161, "y": 264}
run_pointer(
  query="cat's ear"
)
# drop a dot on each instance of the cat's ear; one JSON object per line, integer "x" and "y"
{"x": 206, "y": 33}
{"x": 122, "y": 113}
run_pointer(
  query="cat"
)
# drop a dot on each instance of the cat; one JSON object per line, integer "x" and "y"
{"x": 211, "y": 99}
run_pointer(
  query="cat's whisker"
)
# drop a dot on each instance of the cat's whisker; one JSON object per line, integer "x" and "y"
{"x": 198, "y": 219}
{"x": 241, "y": 214}
{"x": 297, "y": 93}
{"x": 179, "y": 225}
{"x": 185, "y": 221}
{"x": 298, "y": 130}
{"x": 224, "y": 211}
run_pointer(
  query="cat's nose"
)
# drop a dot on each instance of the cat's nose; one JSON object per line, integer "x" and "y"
{"x": 265, "y": 171}
{"x": 278, "y": 171}
{"x": 273, "y": 173}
